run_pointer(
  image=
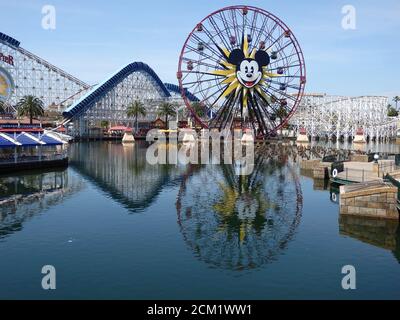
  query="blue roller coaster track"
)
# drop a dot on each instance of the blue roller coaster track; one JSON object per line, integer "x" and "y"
{"x": 174, "y": 88}
{"x": 101, "y": 89}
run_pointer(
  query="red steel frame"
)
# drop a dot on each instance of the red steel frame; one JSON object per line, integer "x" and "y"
{"x": 283, "y": 26}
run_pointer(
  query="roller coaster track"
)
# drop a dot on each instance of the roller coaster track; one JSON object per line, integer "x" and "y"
{"x": 52, "y": 67}
{"x": 325, "y": 115}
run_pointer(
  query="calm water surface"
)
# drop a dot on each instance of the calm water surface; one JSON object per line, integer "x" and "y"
{"x": 116, "y": 227}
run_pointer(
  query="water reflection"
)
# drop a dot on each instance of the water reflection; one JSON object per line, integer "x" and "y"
{"x": 335, "y": 193}
{"x": 230, "y": 221}
{"x": 240, "y": 222}
{"x": 27, "y": 194}
{"x": 122, "y": 172}
{"x": 381, "y": 233}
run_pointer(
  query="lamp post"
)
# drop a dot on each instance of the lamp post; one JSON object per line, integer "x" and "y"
{"x": 376, "y": 158}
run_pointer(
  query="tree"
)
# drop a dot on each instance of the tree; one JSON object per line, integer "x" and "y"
{"x": 135, "y": 109}
{"x": 392, "y": 112}
{"x": 183, "y": 113}
{"x": 281, "y": 113}
{"x": 199, "y": 109}
{"x": 104, "y": 124}
{"x": 167, "y": 109}
{"x": 396, "y": 100}
{"x": 53, "y": 115}
{"x": 30, "y": 106}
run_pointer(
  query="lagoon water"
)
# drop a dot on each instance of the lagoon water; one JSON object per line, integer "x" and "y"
{"x": 115, "y": 227}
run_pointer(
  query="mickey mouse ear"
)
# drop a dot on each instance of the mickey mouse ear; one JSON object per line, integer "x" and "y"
{"x": 236, "y": 57}
{"x": 262, "y": 57}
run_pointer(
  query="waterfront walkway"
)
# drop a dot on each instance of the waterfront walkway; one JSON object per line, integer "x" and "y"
{"x": 366, "y": 171}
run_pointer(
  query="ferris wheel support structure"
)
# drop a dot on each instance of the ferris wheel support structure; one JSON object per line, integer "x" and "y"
{"x": 246, "y": 66}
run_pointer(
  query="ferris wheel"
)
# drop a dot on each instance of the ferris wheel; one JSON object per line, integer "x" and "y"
{"x": 240, "y": 222}
{"x": 247, "y": 69}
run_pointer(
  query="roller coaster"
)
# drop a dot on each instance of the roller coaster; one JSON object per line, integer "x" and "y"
{"x": 28, "y": 74}
{"x": 85, "y": 106}
{"x": 338, "y": 117}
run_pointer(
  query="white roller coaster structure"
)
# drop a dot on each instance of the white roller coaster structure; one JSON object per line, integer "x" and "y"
{"x": 32, "y": 75}
{"x": 23, "y": 73}
{"x": 332, "y": 117}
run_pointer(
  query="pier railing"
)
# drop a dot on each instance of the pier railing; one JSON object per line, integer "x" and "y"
{"x": 387, "y": 168}
{"x": 376, "y": 172}
{"x": 396, "y": 183}
{"x": 32, "y": 158}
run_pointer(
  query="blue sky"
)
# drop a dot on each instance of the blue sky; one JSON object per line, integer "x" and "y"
{"x": 95, "y": 38}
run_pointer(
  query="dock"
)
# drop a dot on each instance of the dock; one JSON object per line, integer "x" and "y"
{"x": 376, "y": 199}
{"x": 362, "y": 172}
{"x": 367, "y": 189}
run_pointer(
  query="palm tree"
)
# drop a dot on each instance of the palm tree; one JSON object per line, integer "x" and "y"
{"x": 281, "y": 113}
{"x": 30, "y": 106}
{"x": 392, "y": 112}
{"x": 183, "y": 113}
{"x": 199, "y": 109}
{"x": 396, "y": 100}
{"x": 167, "y": 109}
{"x": 104, "y": 124}
{"x": 135, "y": 109}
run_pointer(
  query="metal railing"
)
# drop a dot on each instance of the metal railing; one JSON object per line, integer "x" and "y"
{"x": 386, "y": 168}
{"x": 33, "y": 158}
{"x": 396, "y": 183}
{"x": 363, "y": 175}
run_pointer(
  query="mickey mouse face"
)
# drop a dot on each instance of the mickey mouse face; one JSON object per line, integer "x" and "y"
{"x": 249, "y": 72}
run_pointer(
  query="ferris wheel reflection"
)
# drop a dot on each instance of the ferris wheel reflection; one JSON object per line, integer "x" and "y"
{"x": 240, "y": 222}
